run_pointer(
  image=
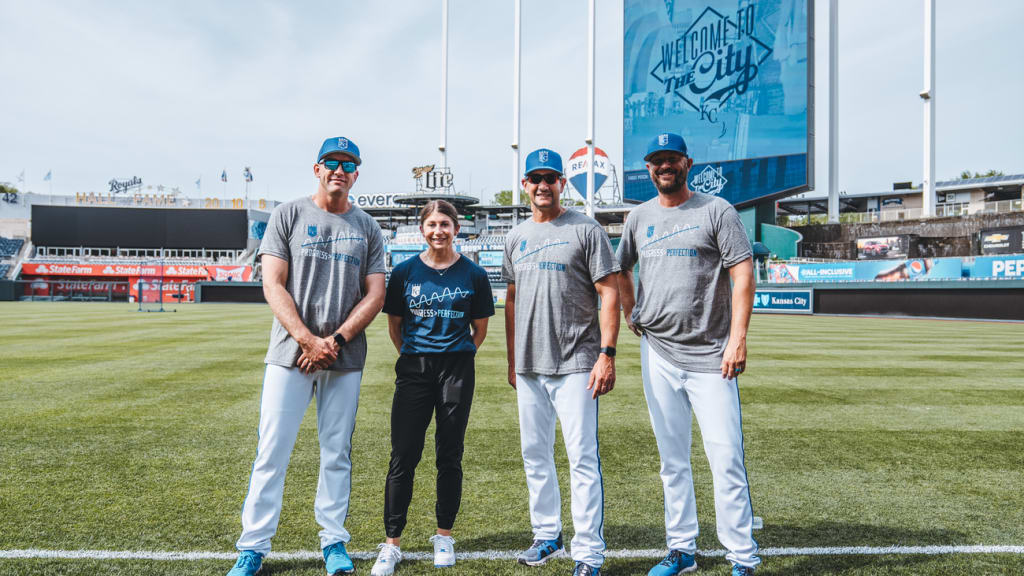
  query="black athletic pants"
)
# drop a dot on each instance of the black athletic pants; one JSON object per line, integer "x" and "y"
{"x": 424, "y": 385}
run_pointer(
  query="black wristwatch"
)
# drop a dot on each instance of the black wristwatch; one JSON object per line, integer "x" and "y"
{"x": 340, "y": 340}
{"x": 608, "y": 351}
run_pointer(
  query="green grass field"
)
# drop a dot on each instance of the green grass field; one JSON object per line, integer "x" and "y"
{"x": 128, "y": 431}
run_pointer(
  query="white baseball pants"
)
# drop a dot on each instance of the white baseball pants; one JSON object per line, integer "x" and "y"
{"x": 541, "y": 399}
{"x": 672, "y": 396}
{"x": 286, "y": 395}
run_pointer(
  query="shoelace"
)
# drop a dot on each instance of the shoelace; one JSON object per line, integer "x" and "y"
{"x": 671, "y": 559}
{"x": 247, "y": 561}
{"x": 393, "y": 551}
{"x": 330, "y": 549}
{"x": 443, "y": 539}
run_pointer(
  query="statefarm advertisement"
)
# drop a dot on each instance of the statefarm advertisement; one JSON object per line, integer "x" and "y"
{"x": 123, "y": 280}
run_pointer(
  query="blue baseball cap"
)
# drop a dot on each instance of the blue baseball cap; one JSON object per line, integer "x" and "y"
{"x": 663, "y": 142}
{"x": 342, "y": 145}
{"x": 543, "y": 159}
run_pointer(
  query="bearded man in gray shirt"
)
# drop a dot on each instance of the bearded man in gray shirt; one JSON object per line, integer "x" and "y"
{"x": 561, "y": 357}
{"x": 323, "y": 276}
{"x": 693, "y": 330}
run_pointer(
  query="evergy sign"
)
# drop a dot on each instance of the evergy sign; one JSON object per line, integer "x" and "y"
{"x": 375, "y": 200}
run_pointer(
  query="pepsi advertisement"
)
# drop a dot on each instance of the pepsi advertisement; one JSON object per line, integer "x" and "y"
{"x": 870, "y": 271}
{"x": 734, "y": 79}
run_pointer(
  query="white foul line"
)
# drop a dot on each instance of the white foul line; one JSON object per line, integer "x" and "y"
{"x": 35, "y": 553}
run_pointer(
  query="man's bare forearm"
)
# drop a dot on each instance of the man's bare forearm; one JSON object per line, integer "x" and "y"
{"x": 283, "y": 307}
{"x": 365, "y": 310}
{"x": 608, "y": 289}
{"x": 510, "y": 326}
{"x": 626, "y": 290}
{"x": 743, "y": 288}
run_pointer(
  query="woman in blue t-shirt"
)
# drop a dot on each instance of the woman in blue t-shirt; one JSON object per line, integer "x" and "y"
{"x": 437, "y": 304}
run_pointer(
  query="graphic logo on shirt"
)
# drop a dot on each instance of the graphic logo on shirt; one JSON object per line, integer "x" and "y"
{"x": 519, "y": 265}
{"x": 647, "y": 252}
{"x": 418, "y": 304}
{"x": 325, "y": 248}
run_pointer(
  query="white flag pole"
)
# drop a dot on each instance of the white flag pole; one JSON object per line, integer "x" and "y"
{"x": 516, "y": 92}
{"x": 591, "y": 25}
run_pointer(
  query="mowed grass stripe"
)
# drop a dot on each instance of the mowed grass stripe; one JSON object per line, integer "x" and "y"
{"x": 143, "y": 436}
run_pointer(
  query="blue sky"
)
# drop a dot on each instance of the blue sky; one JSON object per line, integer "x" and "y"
{"x": 171, "y": 92}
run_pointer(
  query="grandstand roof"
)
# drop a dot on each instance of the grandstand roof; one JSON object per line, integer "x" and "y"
{"x": 991, "y": 182}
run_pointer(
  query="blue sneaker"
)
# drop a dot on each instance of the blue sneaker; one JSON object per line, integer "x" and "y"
{"x": 585, "y": 570}
{"x": 337, "y": 560}
{"x": 541, "y": 551}
{"x": 249, "y": 562}
{"x": 738, "y": 570}
{"x": 677, "y": 562}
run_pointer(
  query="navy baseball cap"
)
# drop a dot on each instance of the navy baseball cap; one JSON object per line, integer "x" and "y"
{"x": 663, "y": 142}
{"x": 340, "y": 144}
{"x": 543, "y": 159}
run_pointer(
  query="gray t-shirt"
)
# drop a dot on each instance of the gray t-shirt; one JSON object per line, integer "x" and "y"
{"x": 683, "y": 300}
{"x": 554, "y": 266}
{"x": 329, "y": 256}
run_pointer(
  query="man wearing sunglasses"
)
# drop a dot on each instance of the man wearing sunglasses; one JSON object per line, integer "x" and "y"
{"x": 561, "y": 357}
{"x": 693, "y": 328}
{"x": 323, "y": 276}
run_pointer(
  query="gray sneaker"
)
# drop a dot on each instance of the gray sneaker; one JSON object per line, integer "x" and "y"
{"x": 541, "y": 551}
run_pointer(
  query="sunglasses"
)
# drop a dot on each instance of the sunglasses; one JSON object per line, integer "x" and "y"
{"x": 346, "y": 167}
{"x": 550, "y": 178}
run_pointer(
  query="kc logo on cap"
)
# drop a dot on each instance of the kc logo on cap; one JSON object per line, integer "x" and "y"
{"x": 543, "y": 155}
{"x": 662, "y": 139}
{"x": 343, "y": 143}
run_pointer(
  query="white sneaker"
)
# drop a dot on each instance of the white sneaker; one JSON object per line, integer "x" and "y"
{"x": 444, "y": 551}
{"x": 388, "y": 557}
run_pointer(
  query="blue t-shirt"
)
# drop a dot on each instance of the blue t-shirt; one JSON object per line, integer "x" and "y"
{"x": 437, "y": 306}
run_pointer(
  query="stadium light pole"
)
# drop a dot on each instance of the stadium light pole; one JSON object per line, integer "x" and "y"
{"x": 443, "y": 148}
{"x": 833, "y": 111}
{"x": 928, "y": 96}
{"x": 516, "y": 93}
{"x": 591, "y": 25}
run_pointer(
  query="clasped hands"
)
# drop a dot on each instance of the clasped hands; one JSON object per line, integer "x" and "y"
{"x": 317, "y": 353}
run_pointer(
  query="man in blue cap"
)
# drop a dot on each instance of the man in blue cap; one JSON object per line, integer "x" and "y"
{"x": 696, "y": 292}
{"x": 561, "y": 357}
{"x": 323, "y": 276}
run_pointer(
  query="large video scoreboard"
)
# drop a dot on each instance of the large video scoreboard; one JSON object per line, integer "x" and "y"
{"x": 734, "y": 78}
{"x": 111, "y": 227}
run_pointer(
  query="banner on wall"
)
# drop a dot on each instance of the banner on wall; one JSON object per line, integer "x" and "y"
{"x": 217, "y": 272}
{"x": 998, "y": 267}
{"x": 1002, "y": 240}
{"x": 869, "y": 271}
{"x": 775, "y": 301}
{"x": 881, "y": 247}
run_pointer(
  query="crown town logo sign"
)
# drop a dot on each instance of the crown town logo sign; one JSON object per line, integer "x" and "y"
{"x": 718, "y": 56}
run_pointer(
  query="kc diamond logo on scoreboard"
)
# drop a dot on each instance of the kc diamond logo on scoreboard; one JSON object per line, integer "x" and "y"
{"x": 709, "y": 181}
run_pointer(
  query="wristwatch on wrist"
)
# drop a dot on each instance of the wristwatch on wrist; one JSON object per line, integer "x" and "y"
{"x": 608, "y": 351}
{"x": 339, "y": 340}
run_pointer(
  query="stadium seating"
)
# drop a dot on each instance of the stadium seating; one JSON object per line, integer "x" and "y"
{"x": 9, "y": 247}
{"x": 4, "y": 269}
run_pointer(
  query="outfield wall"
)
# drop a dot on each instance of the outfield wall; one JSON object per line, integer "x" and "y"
{"x": 981, "y": 299}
